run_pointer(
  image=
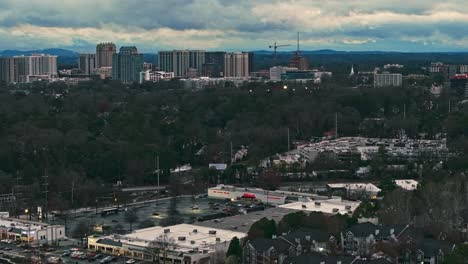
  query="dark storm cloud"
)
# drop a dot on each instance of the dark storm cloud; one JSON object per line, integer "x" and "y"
{"x": 242, "y": 24}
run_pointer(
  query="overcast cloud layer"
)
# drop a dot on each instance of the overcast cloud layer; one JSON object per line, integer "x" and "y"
{"x": 152, "y": 25}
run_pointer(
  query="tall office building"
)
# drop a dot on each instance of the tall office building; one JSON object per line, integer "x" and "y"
{"x": 181, "y": 62}
{"x": 8, "y": 72}
{"x": 87, "y": 64}
{"x": 251, "y": 62}
{"x": 214, "y": 64}
{"x": 196, "y": 60}
{"x": 35, "y": 67}
{"x": 26, "y": 69}
{"x": 236, "y": 64}
{"x": 127, "y": 65}
{"x": 104, "y": 54}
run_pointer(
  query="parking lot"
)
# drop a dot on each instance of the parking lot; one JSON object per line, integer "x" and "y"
{"x": 184, "y": 209}
{"x": 27, "y": 254}
{"x": 76, "y": 255}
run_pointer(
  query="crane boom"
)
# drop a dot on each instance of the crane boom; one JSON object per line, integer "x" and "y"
{"x": 275, "y": 47}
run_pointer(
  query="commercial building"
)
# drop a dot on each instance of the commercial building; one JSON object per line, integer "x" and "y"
{"x": 450, "y": 71}
{"x": 298, "y": 75}
{"x": 34, "y": 232}
{"x": 251, "y": 62}
{"x": 236, "y": 64}
{"x": 181, "y": 61}
{"x": 366, "y": 148}
{"x": 104, "y": 72}
{"x": 436, "y": 67}
{"x": 409, "y": 185}
{"x": 104, "y": 54}
{"x": 277, "y": 71}
{"x": 207, "y": 82}
{"x": 191, "y": 244}
{"x": 388, "y": 80}
{"x": 328, "y": 206}
{"x": 127, "y": 65}
{"x": 214, "y": 64}
{"x": 8, "y": 72}
{"x": 459, "y": 84}
{"x": 35, "y": 67}
{"x": 269, "y": 197}
{"x": 155, "y": 76}
{"x": 463, "y": 69}
{"x": 147, "y": 66}
{"x": 87, "y": 64}
{"x": 393, "y": 66}
{"x": 364, "y": 189}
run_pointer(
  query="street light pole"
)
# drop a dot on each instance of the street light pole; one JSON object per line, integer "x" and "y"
{"x": 26, "y": 211}
{"x": 157, "y": 168}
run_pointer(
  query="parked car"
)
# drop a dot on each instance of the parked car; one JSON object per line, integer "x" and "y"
{"x": 105, "y": 260}
{"x": 130, "y": 261}
{"x": 95, "y": 257}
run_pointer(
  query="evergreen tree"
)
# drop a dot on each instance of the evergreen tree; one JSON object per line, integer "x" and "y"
{"x": 235, "y": 248}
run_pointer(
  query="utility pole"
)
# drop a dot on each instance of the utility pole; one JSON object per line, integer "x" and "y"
{"x": 157, "y": 167}
{"x": 231, "y": 153}
{"x": 336, "y": 124}
{"x": 46, "y": 186}
{"x": 288, "y": 140}
{"x": 17, "y": 193}
{"x": 72, "y": 192}
{"x": 404, "y": 112}
{"x": 450, "y": 106}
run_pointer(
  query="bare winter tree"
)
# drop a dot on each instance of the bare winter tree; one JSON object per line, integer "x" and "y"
{"x": 161, "y": 246}
{"x": 396, "y": 207}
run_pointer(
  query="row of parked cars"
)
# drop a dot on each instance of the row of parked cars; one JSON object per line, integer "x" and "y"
{"x": 76, "y": 253}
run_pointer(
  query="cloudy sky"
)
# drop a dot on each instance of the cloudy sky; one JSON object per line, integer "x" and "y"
{"x": 151, "y": 25}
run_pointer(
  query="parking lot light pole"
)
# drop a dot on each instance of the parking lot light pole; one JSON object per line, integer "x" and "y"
{"x": 26, "y": 211}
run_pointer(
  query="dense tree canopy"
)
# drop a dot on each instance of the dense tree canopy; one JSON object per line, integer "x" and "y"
{"x": 101, "y": 132}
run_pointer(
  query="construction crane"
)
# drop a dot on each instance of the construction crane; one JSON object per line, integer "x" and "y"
{"x": 275, "y": 47}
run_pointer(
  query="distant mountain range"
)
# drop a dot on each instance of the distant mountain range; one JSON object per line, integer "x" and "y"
{"x": 57, "y": 52}
{"x": 65, "y": 57}
{"x": 69, "y": 58}
{"x": 70, "y": 53}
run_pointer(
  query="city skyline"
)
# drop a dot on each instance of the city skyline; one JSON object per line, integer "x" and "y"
{"x": 426, "y": 26}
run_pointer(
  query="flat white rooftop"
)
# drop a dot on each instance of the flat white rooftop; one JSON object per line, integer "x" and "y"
{"x": 364, "y": 187}
{"x": 186, "y": 236}
{"x": 25, "y": 226}
{"x": 409, "y": 185}
{"x": 332, "y": 206}
{"x": 280, "y": 193}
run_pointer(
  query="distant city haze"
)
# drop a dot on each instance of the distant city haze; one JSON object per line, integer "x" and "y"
{"x": 243, "y": 25}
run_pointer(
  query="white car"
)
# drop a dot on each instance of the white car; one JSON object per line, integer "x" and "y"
{"x": 130, "y": 261}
